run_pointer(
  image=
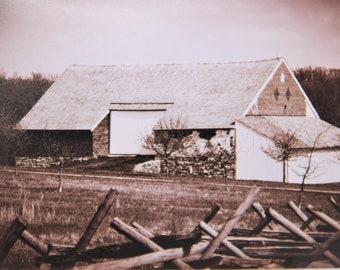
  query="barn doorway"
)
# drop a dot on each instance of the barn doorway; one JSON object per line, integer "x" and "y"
{"x": 128, "y": 128}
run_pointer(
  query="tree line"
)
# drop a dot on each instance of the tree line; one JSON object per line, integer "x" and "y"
{"x": 322, "y": 86}
{"x": 19, "y": 94}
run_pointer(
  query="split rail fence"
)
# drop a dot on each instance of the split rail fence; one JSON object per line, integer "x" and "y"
{"x": 264, "y": 246}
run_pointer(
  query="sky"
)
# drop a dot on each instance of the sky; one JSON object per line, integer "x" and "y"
{"x": 47, "y": 36}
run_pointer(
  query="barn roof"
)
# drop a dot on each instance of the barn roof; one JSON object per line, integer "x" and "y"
{"x": 307, "y": 130}
{"x": 206, "y": 95}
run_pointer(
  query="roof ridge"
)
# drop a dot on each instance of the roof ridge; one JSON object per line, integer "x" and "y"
{"x": 173, "y": 64}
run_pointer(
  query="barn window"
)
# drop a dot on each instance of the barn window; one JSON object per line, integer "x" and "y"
{"x": 288, "y": 93}
{"x": 282, "y": 78}
{"x": 276, "y": 93}
{"x": 207, "y": 133}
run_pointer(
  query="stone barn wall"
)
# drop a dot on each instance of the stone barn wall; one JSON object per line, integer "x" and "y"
{"x": 57, "y": 143}
{"x": 208, "y": 166}
{"x": 44, "y": 148}
{"x": 212, "y": 158}
{"x": 100, "y": 138}
{"x": 282, "y": 96}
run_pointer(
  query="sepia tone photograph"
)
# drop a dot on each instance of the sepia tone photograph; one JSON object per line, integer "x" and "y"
{"x": 169, "y": 134}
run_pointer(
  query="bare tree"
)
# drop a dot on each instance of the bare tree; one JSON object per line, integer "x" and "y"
{"x": 221, "y": 147}
{"x": 167, "y": 139}
{"x": 310, "y": 168}
{"x": 284, "y": 148}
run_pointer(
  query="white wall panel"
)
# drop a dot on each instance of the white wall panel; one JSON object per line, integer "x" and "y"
{"x": 253, "y": 164}
{"x": 128, "y": 128}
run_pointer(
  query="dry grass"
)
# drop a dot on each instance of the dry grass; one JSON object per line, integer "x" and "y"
{"x": 173, "y": 206}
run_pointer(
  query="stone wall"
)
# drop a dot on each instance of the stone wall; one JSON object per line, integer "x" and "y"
{"x": 100, "y": 138}
{"x": 199, "y": 156}
{"x": 208, "y": 166}
{"x": 46, "y": 162}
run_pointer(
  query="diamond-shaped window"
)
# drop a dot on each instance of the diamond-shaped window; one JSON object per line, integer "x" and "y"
{"x": 288, "y": 93}
{"x": 276, "y": 93}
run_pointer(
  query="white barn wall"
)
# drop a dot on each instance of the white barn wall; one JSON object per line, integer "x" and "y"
{"x": 325, "y": 168}
{"x": 128, "y": 128}
{"x": 253, "y": 164}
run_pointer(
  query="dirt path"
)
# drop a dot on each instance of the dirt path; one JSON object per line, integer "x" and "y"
{"x": 167, "y": 180}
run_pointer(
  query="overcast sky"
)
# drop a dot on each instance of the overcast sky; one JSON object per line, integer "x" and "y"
{"x": 49, "y": 35}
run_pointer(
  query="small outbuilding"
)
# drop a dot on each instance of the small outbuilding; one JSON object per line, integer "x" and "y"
{"x": 313, "y": 148}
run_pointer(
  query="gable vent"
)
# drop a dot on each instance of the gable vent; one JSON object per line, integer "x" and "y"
{"x": 282, "y": 77}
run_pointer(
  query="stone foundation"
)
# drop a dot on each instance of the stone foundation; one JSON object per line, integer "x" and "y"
{"x": 100, "y": 138}
{"x": 208, "y": 166}
{"x": 46, "y": 162}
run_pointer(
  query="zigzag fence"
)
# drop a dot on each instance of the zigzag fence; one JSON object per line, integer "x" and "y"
{"x": 274, "y": 242}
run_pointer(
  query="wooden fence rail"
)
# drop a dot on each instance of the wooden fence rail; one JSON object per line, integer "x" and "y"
{"x": 296, "y": 230}
{"x": 307, "y": 221}
{"x": 231, "y": 223}
{"x": 11, "y": 236}
{"x": 322, "y": 216}
{"x": 129, "y": 232}
{"x": 334, "y": 203}
{"x": 96, "y": 220}
{"x": 204, "y": 246}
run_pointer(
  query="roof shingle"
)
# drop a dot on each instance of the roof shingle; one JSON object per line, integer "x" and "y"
{"x": 206, "y": 96}
{"x": 306, "y": 129}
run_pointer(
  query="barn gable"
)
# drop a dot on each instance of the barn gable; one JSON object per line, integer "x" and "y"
{"x": 281, "y": 95}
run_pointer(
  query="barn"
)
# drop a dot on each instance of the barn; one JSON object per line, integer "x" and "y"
{"x": 107, "y": 110}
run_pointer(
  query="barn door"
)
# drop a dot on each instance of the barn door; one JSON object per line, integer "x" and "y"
{"x": 128, "y": 128}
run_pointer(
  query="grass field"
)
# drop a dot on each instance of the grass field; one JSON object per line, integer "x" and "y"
{"x": 173, "y": 205}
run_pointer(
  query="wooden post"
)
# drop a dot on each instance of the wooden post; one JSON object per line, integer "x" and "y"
{"x": 120, "y": 226}
{"x": 210, "y": 231}
{"x": 296, "y": 230}
{"x": 334, "y": 203}
{"x": 11, "y": 236}
{"x": 197, "y": 263}
{"x": 303, "y": 217}
{"x": 322, "y": 248}
{"x": 261, "y": 225}
{"x": 149, "y": 235}
{"x": 290, "y": 225}
{"x": 213, "y": 211}
{"x": 208, "y": 217}
{"x": 32, "y": 242}
{"x": 321, "y": 215}
{"x": 63, "y": 254}
{"x": 261, "y": 212}
{"x": 142, "y": 230}
{"x": 307, "y": 223}
{"x": 243, "y": 207}
{"x": 96, "y": 220}
{"x": 149, "y": 258}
